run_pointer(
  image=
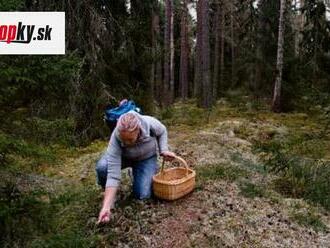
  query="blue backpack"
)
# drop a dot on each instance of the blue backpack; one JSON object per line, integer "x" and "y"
{"x": 112, "y": 115}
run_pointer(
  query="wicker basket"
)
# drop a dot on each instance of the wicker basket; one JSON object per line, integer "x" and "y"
{"x": 173, "y": 183}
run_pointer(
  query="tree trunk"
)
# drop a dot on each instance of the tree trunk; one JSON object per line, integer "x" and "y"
{"x": 222, "y": 48}
{"x": 298, "y": 26}
{"x": 232, "y": 45}
{"x": 216, "y": 50}
{"x": 205, "y": 62}
{"x": 198, "y": 52}
{"x": 172, "y": 56}
{"x": 153, "y": 51}
{"x": 184, "y": 53}
{"x": 157, "y": 70}
{"x": 167, "y": 49}
{"x": 259, "y": 56}
{"x": 191, "y": 63}
{"x": 257, "y": 79}
{"x": 276, "y": 103}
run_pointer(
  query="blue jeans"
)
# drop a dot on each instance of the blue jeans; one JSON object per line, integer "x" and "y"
{"x": 142, "y": 174}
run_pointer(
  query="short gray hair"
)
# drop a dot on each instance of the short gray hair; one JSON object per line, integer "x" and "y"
{"x": 128, "y": 122}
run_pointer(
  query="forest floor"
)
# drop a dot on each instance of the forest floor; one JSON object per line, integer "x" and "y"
{"x": 235, "y": 203}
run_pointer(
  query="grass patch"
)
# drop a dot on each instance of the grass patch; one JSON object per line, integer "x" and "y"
{"x": 43, "y": 131}
{"x": 220, "y": 172}
{"x": 251, "y": 190}
{"x": 190, "y": 115}
{"x": 243, "y": 131}
{"x": 248, "y": 164}
{"x": 305, "y": 178}
{"x": 186, "y": 114}
{"x": 13, "y": 150}
{"x": 76, "y": 152}
{"x": 299, "y": 176}
{"x": 308, "y": 218}
{"x": 41, "y": 219}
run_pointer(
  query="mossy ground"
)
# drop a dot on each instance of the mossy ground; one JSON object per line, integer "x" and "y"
{"x": 51, "y": 199}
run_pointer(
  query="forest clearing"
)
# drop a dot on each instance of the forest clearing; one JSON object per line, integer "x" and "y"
{"x": 238, "y": 201}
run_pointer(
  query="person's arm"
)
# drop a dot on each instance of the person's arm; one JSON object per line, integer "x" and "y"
{"x": 108, "y": 201}
{"x": 160, "y": 131}
{"x": 113, "y": 178}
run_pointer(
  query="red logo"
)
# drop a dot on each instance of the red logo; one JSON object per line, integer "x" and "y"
{"x": 23, "y": 33}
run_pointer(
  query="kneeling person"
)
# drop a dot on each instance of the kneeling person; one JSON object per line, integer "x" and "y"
{"x": 133, "y": 143}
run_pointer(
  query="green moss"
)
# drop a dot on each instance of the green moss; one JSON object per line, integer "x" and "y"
{"x": 20, "y": 153}
{"x": 184, "y": 113}
{"x": 248, "y": 164}
{"x": 69, "y": 239}
{"x": 300, "y": 177}
{"x": 219, "y": 171}
{"x": 308, "y": 218}
{"x": 67, "y": 219}
{"x": 42, "y": 219}
{"x": 251, "y": 190}
{"x": 243, "y": 131}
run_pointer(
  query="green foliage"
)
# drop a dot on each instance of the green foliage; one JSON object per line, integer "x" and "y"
{"x": 41, "y": 219}
{"x": 311, "y": 99}
{"x": 307, "y": 179}
{"x": 10, "y": 146}
{"x": 308, "y": 144}
{"x": 251, "y": 190}
{"x": 218, "y": 171}
{"x": 43, "y": 84}
{"x": 70, "y": 239}
{"x": 316, "y": 32}
{"x": 308, "y": 218}
{"x": 42, "y": 100}
{"x": 46, "y": 132}
{"x": 11, "y": 5}
{"x": 315, "y": 60}
{"x": 20, "y": 214}
{"x": 167, "y": 113}
{"x": 247, "y": 164}
{"x": 299, "y": 176}
{"x": 326, "y": 116}
{"x": 186, "y": 114}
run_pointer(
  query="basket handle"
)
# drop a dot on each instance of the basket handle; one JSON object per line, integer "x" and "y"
{"x": 180, "y": 160}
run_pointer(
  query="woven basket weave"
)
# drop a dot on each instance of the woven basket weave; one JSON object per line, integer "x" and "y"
{"x": 174, "y": 183}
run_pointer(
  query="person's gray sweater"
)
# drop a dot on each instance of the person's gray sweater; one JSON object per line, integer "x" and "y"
{"x": 153, "y": 135}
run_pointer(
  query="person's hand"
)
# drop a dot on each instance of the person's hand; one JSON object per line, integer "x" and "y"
{"x": 104, "y": 216}
{"x": 168, "y": 156}
{"x": 122, "y": 102}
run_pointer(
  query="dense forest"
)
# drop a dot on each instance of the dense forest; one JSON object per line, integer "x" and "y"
{"x": 193, "y": 64}
{"x": 160, "y": 52}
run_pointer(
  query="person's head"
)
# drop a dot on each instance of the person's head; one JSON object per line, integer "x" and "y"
{"x": 129, "y": 128}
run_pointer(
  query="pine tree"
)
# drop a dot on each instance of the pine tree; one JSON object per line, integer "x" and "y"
{"x": 276, "y": 103}
{"x": 184, "y": 52}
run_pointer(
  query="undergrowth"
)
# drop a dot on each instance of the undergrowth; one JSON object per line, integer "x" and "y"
{"x": 299, "y": 176}
{"x": 41, "y": 219}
